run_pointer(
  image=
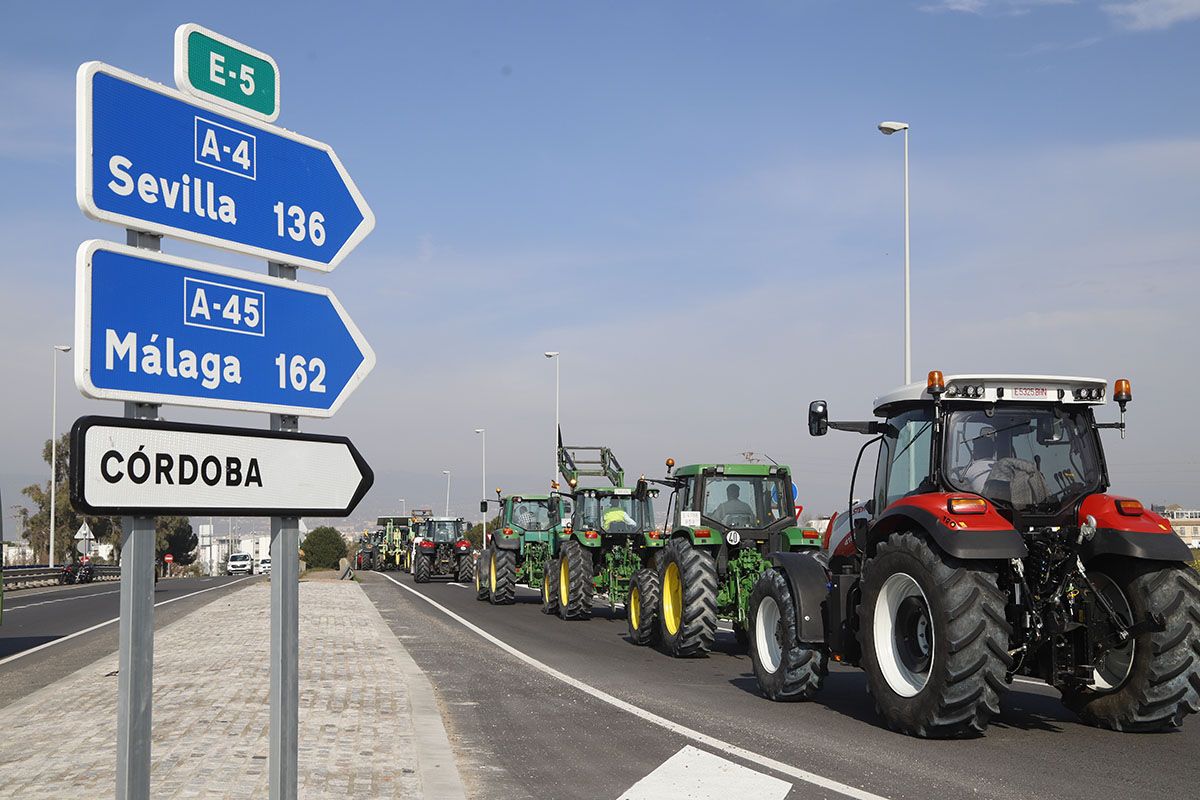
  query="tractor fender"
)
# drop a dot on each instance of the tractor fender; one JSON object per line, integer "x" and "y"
{"x": 809, "y": 583}
{"x": 987, "y": 536}
{"x": 505, "y": 543}
{"x": 1147, "y": 535}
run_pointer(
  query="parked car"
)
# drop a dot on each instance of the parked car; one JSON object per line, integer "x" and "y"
{"x": 264, "y": 565}
{"x": 240, "y": 564}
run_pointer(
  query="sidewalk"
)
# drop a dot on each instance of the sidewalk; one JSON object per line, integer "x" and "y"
{"x": 369, "y": 722}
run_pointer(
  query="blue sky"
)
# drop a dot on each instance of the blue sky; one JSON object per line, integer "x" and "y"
{"x": 692, "y": 203}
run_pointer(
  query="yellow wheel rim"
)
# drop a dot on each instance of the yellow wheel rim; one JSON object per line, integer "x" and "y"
{"x": 672, "y": 598}
{"x": 635, "y": 608}
{"x": 564, "y": 582}
{"x": 477, "y": 578}
{"x": 546, "y": 589}
{"x": 493, "y": 564}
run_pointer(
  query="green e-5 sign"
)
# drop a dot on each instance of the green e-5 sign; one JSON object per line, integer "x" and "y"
{"x": 220, "y": 70}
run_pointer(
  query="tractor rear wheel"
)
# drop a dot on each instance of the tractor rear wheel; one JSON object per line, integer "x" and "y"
{"x": 550, "y": 586}
{"x": 574, "y": 581}
{"x": 687, "y": 609}
{"x": 786, "y": 668}
{"x": 422, "y": 569}
{"x": 465, "y": 568}
{"x": 934, "y": 638}
{"x": 502, "y": 577}
{"x": 481, "y": 579}
{"x": 641, "y": 610}
{"x": 1152, "y": 681}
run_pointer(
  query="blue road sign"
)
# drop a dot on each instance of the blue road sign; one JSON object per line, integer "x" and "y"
{"x": 152, "y": 159}
{"x": 153, "y": 328}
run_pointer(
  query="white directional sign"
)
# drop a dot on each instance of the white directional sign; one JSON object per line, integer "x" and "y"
{"x": 139, "y": 467}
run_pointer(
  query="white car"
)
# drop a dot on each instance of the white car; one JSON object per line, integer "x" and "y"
{"x": 264, "y": 566}
{"x": 240, "y": 564}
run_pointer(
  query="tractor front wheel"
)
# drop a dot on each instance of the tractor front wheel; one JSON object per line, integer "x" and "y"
{"x": 550, "y": 586}
{"x": 1152, "y": 680}
{"x": 574, "y": 581}
{"x": 786, "y": 668}
{"x": 934, "y": 638}
{"x": 687, "y": 609}
{"x": 423, "y": 568}
{"x": 465, "y": 568}
{"x": 641, "y": 610}
{"x": 502, "y": 577}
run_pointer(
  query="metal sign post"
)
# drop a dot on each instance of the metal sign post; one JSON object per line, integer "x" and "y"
{"x": 135, "y": 639}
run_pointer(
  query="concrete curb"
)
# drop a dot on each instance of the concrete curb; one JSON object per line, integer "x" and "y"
{"x": 436, "y": 765}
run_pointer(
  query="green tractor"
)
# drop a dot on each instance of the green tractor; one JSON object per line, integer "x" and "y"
{"x": 610, "y": 538}
{"x": 723, "y": 522}
{"x": 520, "y": 546}
{"x": 392, "y": 536}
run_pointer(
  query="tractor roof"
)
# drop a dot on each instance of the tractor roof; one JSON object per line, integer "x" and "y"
{"x": 604, "y": 491}
{"x": 987, "y": 389}
{"x": 527, "y": 497}
{"x": 732, "y": 469}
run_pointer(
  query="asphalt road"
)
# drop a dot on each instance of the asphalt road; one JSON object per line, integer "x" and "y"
{"x": 616, "y": 712}
{"x": 52, "y": 619}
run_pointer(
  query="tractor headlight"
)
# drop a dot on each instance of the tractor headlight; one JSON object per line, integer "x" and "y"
{"x": 1088, "y": 529}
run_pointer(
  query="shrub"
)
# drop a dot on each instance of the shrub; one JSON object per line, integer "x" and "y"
{"x": 323, "y": 547}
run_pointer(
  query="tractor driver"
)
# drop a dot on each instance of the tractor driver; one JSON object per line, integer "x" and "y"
{"x": 524, "y": 517}
{"x": 733, "y": 506}
{"x": 614, "y": 514}
{"x": 983, "y": 458}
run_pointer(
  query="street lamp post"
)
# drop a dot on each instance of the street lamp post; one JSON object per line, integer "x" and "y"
{"x": 446, "y": 472}
{"x": 554, "y": 471}
{"x": 483, "y": 480}
{"x": 887, "y": 129}
{"x": 402, "y": 502}
{"x": 58, "y": 348}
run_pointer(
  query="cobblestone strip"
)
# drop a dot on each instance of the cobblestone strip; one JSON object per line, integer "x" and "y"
{"x": 369, "y": 725}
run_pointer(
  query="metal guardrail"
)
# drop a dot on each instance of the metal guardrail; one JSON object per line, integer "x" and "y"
{"x": 44, "y": 575}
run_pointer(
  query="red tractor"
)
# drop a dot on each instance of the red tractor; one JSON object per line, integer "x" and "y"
{"x": 989, "y": 548}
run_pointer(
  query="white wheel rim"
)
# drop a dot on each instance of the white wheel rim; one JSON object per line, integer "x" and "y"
{"x": 896, "y": 640}
{"x": 766, "y": 626}
{"x": 1112, "y": 670}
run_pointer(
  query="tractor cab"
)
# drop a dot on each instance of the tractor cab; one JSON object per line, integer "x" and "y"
{"x": 614, "y": 510}
{"x": 446, "y": 529}
{"x": 523, "y": 515}
{"x": 732, "y": 502}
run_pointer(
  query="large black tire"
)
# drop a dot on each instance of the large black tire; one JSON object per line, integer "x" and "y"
{"x": 786, "y": 668}
{"x": 574, "y": 581}
{"x": 422, "y": 569}
{"x": 481, "y": 577}
{"x": 502, "y": 578}
{"x": 550, "y": 586}
{"x": 465, "y": 569}
{"x": 687, "y": 607}
{"x": 940, "y": 671}
{"x": 641, "y": 616}
{"x": 1163, "y": 682}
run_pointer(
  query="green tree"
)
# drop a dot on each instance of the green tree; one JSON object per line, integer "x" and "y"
{"x": 323, "y": 547}
{"x": 36, "y": 522}
{"x": 475, "y": 532}
{"x": 174, "y": 535}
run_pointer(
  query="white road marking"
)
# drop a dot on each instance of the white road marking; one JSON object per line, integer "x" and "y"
{"x": 700, "y": 775}
{"x": 649, "y": 716}
{"x": 98, "y": 626}
{"x": 60, "y": 600}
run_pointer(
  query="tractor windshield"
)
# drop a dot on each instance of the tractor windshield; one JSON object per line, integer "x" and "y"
{"x": 616, "y": 514}
{"x": 535, "y": 515}
{"x": 444, "y": 530}
{"x": 1023, "y": 458}
{"x": 747, "y": 501}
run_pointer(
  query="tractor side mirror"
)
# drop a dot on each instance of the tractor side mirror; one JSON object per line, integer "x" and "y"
{"x": 483, "y": 506}
{"x": 818, "y": 418}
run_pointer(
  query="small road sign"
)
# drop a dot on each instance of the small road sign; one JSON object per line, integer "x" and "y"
{"x": 151, "y": 159}
{"x": 84, "y": 532}
{"x": 138, "y": 467}
{"x": 168, "y": 558}
{"x": 219, "y": 70}
{"x": 152, "y": 328}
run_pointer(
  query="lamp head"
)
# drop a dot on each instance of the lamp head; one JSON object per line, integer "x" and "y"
{"x": 887, "y": 128}
{"x": 550, "y": 353}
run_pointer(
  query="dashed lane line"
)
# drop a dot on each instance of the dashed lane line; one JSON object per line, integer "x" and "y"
{"x": 649, "y": 716}
{"x": 98, "y": 626}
